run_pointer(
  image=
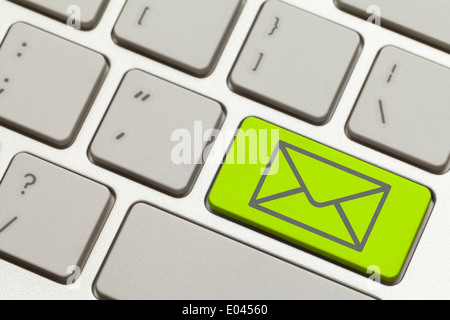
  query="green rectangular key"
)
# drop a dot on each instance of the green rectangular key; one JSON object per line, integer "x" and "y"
{"x": 320, "y": 199}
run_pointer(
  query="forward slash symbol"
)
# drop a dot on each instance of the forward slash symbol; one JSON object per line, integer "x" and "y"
{"x": 8, "y": 224}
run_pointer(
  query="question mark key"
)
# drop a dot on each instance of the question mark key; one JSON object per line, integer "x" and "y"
{"x": 31, "y": 181}
{"x": 48, "y": 209}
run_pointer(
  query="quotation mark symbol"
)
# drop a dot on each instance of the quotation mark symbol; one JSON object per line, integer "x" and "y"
{"x": 392, "y": 74}
{"x": 144, "y": 98}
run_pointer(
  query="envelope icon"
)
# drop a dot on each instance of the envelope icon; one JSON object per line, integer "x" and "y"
{"x": 320, "y": 196}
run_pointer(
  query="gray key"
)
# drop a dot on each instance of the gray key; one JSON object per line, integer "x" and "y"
{"x": 159, "y": 256}
{"x": 296, "y": 61}
{"x": 156, "y": 132}
{"x": 187, "y": 34}
{"x": 404, "y": 110}
{"x": 422, "y": 19}
{"x": 87, "y": 14}
{"x": 49, "y": 217}
{"x": 47, "y": 84}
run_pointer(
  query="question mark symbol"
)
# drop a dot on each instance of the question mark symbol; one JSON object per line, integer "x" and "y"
{"x": 32, "y": 182}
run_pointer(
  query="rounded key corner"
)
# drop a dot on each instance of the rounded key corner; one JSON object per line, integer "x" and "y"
{"x": 97, "y": 291}
{"x": 137, "y": 206}
{"x": 221, "y": 111}
{"x": 314, "y": 119}
{"x": 94, "y": 21}
{"x": 390, "y": 49}
{"x": 340, "y": 4}
{"x": 116, "y": 37}
{"x": 233, "y": 84}
{"x": 62, "y": 277}
{"x": 20, "y": 24}
{"x": 320, "y": 120}
{"x": 200, "y": 70}
{"x": 62, "y": 143}
{"x": 92, "y": 154}
{"x": 347, "y": 7}
{"x": 393, "y": 277}
{"x": 90, "y": 24}
{"x": 211, "y": 200}
{"x": 181, "y": 191}
{"x": 20, "y": 155}
{"x": 104, "y": 62}
{"x": 359, "y": 41}
{"x": 249, "y": 121}
{"x": 134, "y": 72}
{"x": 349, "y": 129}
{"x": 109, "y": 195}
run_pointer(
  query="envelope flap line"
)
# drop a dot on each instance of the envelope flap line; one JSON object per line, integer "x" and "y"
{"x": 379, "y": 186}
{"x": 279, "y": 195}
{"x": 348, "y": 226}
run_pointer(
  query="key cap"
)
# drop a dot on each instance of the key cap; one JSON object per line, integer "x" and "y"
{"x": 320, "y": 199}
{"x": 47, "y": 84}
{"x": 403, "y": 110}
{"x": 189, "y": 35}
{"x": 85, "y": 12}
{"x": 296, "y": 61}
{"x": 420, "y": 19}
{"x": 190, "y": 262}
{"x": 49, "y": 217}
{"x": 157, "y": 133}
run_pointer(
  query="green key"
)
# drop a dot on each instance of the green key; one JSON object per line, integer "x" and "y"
{"x": 320, "y": 199}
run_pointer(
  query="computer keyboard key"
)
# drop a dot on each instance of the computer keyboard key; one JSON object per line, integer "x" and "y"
{"x": 424, "y": 20}
{"x": 403, "y": 110}
{"x": 49, "y": 217}
{"x": 48, "y": 84}
{"x": 157, "y": 133}
{"x": 159, "y": 256}
{"x": 296, "y": 61}
{"x": 86, "y": 13}
{"x": 320, "y": 199}
{"x": 189, "y": 35}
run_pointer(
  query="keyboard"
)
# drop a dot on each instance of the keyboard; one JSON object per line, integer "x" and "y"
{"x": 224, "y": 149}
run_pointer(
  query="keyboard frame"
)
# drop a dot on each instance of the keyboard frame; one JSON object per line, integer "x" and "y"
{"x": 425, "y": 277}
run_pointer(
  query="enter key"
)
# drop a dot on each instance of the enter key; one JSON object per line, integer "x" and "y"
{"x": 320, "y": 199}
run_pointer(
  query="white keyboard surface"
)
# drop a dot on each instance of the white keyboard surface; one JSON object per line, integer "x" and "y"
{"x": 89, "y": 200}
